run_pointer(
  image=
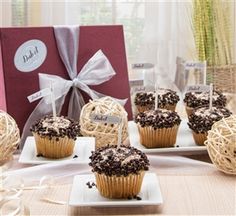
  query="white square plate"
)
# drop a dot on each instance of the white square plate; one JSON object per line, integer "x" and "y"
{"x": 184, "y": 142}
{"x": 81, "y": 195}
{"x": 83, "y": 148}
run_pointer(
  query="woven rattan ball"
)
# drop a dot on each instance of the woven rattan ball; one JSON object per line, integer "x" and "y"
{"x": 221, "y": 144}
{"x": 104, "y": 133}
{"x": 9, "y": 137}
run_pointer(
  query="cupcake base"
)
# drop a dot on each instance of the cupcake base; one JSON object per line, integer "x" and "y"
{"x": 189, "y": 110}
{"x": 144, "y": 108}
{"x": 199, "y": 138}
{"x": 159, "y": 138}
{"x": 52, "y": 148}
{"x": 150, "y": 107}
{"x": 119, "y": 187}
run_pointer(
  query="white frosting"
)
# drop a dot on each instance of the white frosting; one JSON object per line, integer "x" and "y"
{"x": 55, "y": 124}
{"x": 163, "y": 112}
{"x": 205, "y": 96}
{"x": 207, "y": 112}
{"x": 122, "y": 156}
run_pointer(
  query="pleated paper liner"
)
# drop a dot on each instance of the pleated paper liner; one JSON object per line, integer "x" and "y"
{"x": 199, "y": 138}
{"x": 52, "y": 148}
{"x": 119, "y": 186}
{"x": 151, "y": 107}
{"x": 159, "y": 138}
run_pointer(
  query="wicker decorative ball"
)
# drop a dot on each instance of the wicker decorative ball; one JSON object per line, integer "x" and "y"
{"x": 104, "y": 133}
{"x": 221, "y": 144}
{"x": 9, "y": 137}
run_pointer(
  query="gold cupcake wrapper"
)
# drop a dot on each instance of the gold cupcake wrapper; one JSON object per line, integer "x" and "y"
{"x": 159, "y": 138}
{"x": 52, "y": 148}
{"x": 149, "y": 107}
{"x": 189, "y": 110}
{"x": 144, "y": 108}
{"x": 199, "y": 138}
{"x": 119, "y": 187}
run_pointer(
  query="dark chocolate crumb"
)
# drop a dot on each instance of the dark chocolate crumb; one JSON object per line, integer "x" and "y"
{"x": 39, "y": 155}
{"x": 91, "y": 185}
{"x": 75, "y": 156}
{"x": 177, "y": 146}
{"x": 138, "y": 198}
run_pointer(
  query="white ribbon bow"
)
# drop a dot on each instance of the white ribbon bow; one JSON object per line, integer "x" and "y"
{"x": 96, "y": 71}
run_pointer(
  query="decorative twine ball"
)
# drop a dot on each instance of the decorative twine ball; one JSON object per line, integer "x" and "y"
{"x": 9, "y": 137}
{"x": 104, "y": 133}
{"x": 221, "y": 144}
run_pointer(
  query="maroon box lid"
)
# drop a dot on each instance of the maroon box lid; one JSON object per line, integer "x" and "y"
{"x": 19, "y": 85}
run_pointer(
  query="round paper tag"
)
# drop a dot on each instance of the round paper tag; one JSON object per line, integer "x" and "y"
{"x": 30, "y": 55}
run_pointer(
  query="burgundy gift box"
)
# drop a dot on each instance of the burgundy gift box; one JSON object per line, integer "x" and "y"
{"x": 15, "y": 85}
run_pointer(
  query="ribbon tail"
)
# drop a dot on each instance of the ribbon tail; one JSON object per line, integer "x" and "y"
{"x": 40, "y": 111}
{"x": 75, "y": 105}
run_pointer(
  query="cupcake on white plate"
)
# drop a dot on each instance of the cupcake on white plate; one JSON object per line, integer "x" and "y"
{"x": 55, "y": 137}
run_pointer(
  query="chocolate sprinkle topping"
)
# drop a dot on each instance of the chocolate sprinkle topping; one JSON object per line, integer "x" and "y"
{"x": 203, "y": 118}
{"x": 72, "y": 130}
{"x": 168, "y": 97}
{"x": 118, "y": 161}
{"x": 160, "y": 118}
{"x": 197, "y": 99}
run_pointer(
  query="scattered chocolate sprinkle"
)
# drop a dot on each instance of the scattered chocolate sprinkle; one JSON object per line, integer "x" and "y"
{"x": 123, "y": 160}
{"x": 75, "y": 156}
{"x": 169, "y": 97}
{"x": 134, "y": 197}
{"x": 91, "y": 185}
{"x": 39, "y": 155}
{"x": 160, "y": 118}
{"x": 191, "y": 99}
{"x": 202, "y": 119}
{"x": 177, "y": 146}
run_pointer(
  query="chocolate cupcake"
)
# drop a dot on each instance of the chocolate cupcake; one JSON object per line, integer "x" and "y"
{"x": 202, "y": 119}
{"x": 158, "y": 128}
{"x": 193, "y": 100}
{"x": 119, "y": 171}
{"x": 55, "y": 137}
{"x": 167, "y": 99}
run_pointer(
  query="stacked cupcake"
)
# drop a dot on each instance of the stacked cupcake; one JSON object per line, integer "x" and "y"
{"x": 157, "y": 127}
